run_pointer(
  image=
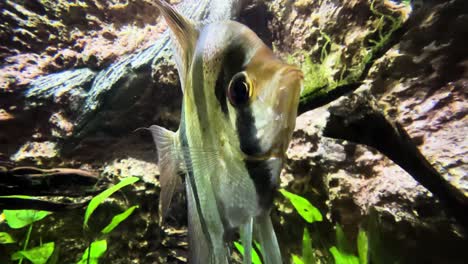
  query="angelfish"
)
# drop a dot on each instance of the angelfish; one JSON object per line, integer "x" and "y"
{"x": 238, "y": 113}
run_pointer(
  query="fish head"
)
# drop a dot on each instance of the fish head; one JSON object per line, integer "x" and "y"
{"x": 263, "y": 96}
{"x": 274, "y": 102}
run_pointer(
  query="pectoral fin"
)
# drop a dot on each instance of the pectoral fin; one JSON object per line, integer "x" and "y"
{"x": 184, "y": 38}
{"x": 169, "y": 162}
{"x": 267, "y": 238}
{"x": 246, "y": 237}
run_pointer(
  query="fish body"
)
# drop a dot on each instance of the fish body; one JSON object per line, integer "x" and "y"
{"x": 238, "y": 114}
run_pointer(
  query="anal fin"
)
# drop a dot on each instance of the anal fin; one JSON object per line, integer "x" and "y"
{"x": 170, "y": 165}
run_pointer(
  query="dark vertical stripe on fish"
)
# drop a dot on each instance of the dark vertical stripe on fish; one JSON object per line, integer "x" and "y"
{"x": 247, "y": 131}
{"x": 191, "y": 178}
{"x": 199, "y": 94}
{"x": 231, "y": 63}
{"x": 259, "y": 171}
{"x": 220, "y": 91}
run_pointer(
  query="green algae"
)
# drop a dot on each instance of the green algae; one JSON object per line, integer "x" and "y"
{"x": 325, "y": 74}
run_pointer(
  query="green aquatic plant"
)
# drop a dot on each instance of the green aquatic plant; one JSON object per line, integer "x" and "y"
{"x": 6, "y": 238}
{"x": 307, "y": 250}
{"x": 363, "y": 247}
{"x": 325, "y": 74}
{"x": 341, "y": 257}
{"x": 117, "y": 219}
{"x": 94, "y": 252}
{"x": 255, "y": 256}
{"x": 47, "y": 253}
{"x": 100, "y": 198}
{"x": 383, "y": 21}
{"x": 305, "y": 209}
{"x": 326, "y": 45}
{"x": 97, "y": 248}
{"x": 36, "y": 255}
{"x": 296, "y": 260}
{"x": 20, "y": 218}
{"x": 341, "y": 252}
{"x": 17, "y": 219}
{"x": 384, "y": 29}
{"x": 309, "y": 213}
{"x": 320, "y": 77}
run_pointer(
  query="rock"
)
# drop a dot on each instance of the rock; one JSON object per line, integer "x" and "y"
{"x": 5, "y": 116}
{"x": 59, "y": 35}
{"x": 37, "y": 151}
{"x": 418, "y": 83}
{"x": 67, "y": 89}
{"x": 425, "y": 90}
{"x": 83, "y": 102}
{"x": 147, "y": 171}
{"x": 61, "y": 127}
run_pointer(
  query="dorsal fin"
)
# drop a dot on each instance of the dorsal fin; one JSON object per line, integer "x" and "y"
{"x": 184, "y": 37}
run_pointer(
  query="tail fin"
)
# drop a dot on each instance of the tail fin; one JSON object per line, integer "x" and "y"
{"x": 267, "y": 238}
{"x": 169, "y": 162}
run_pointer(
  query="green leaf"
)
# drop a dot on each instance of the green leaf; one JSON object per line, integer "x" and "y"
{"x": 116, "y": 220}
{"x": 37, "y": 255}
{"x": 297, "y": 260}
{"x": 255, "y": 257}
{"x": 363, "y": 246}
{"x": 341, "y": 241}
{"x": 98, "y": 248}
{"x": 26, "y": 197}
{"x": 5, "y": 238}
{"x": 340, "y": 252}
{"x": 54, "y": 259}
{"x": 98, "y": 199}
{"x": 309, "y": 212}
{"x": 21, "y": 218}
{"x": 342, "y": 257}
{"x": 307, "y": 251}
{"x": 258, "y": 247}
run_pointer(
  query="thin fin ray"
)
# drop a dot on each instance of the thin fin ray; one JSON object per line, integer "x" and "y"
{"x": 169, "y": 162}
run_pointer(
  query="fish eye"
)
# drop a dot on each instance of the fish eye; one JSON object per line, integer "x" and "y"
{"x": 239, "y": 89}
